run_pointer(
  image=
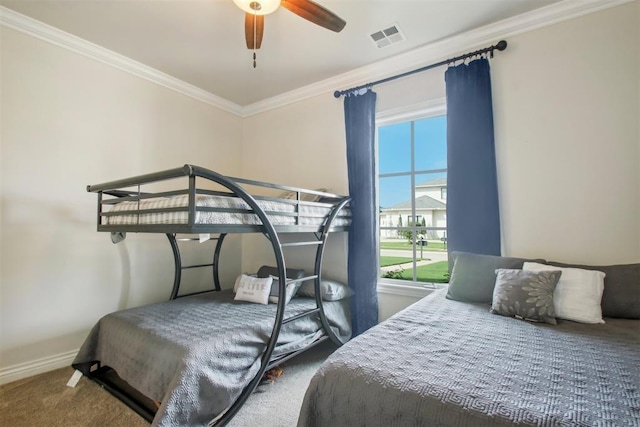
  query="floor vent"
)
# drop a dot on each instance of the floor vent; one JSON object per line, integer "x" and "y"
{"x": 388, "y": 36}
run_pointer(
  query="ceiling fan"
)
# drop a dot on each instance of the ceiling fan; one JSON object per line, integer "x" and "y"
{"x": 307, "y": 9}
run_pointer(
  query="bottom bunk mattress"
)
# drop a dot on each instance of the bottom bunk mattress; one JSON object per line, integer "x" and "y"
{"x": 448, "y": 363}
{"x": 196, "y": 354}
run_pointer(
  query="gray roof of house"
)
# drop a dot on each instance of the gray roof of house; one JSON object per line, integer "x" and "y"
{"x": 422, "y": 203}
{"x": 435, "y": 182}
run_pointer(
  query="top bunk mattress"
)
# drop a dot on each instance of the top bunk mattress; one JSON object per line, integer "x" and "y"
{"x": 174, "y": 210}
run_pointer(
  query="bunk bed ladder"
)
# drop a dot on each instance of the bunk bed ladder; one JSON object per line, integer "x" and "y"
{"x": 173, "y": 241}
{"x": 322, "y": 237}
{"x": 321, "y": 242}
{"x": 266, "y": 362}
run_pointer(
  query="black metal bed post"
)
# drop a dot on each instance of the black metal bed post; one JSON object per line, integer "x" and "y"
{"x": 270, "y": 232}
{"x": 99, "y": 219}
{"x": 326, "y": 228}
{"x": 178, "y": 265}
{"x": 192, "y": 200}
{"x": 216, "y": 261}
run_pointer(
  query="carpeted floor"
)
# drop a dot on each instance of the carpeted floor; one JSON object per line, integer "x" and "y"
{"x": 45, "y": 399}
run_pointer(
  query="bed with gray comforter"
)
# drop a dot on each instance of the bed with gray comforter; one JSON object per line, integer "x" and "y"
{"x": 442, "y": 362}
{"x": 196, "y": 354}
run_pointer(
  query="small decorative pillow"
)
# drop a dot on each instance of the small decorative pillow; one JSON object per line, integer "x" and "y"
{"x": 525, "y": 294}
{"x": 238, "y": 279}
{"x": 578, "y": 294}
{"x": 253, "y": 289}
{"x": 329, "y": 289}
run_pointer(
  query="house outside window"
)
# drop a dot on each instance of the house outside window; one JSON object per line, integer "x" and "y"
{"x": 412, "y": 185}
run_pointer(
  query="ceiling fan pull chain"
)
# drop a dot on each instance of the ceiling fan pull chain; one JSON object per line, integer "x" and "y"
{"x": 255, "y": 33}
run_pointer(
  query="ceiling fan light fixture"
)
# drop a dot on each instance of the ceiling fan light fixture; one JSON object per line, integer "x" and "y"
{"x": 258, "y": 7}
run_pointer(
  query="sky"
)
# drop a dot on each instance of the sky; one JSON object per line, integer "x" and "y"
{"x": 394, "y": 155}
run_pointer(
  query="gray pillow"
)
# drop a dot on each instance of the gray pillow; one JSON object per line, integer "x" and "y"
{"x": 291, "y": 289}
{"x": 525, "y": 294}
{"x": 621, "y": 296}
{"x": 292, "y": 273}
{"x": 473, "y": 276}
{"x": 330, "y": 290}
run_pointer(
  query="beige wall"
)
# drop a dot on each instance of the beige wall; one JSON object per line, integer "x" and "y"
{"x": 301, "y": 144}
{"x": 566, "y": 115}
{"x": 567, "y": 136}
{"x": 567, "y": 139}
{"x": 566, "y": 121}
{"x": 69, "y": 121}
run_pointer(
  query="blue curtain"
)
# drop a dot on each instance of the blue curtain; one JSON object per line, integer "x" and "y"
{"x": 473, "y": 215}
{"x": 359, "y": 113}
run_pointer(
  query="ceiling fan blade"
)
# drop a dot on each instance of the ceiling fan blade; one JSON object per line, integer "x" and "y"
{"x": 315, "y": 13}
{"x": 252, "y": 33}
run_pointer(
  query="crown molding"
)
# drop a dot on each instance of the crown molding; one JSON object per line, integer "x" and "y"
{"x": 42, "y": 31}
{"x": 416, "y": 58}
{"x": 439, "y": 50}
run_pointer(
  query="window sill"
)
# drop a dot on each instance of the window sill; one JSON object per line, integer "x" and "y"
{"x": 414, "y": 290}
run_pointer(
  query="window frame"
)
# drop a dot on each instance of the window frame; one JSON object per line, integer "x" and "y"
{"x": 429, "y": 109}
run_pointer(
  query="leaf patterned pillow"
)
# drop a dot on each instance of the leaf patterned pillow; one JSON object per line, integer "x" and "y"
{"x": 525, "y": 294}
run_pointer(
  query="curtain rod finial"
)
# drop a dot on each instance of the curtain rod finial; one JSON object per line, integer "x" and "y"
{"x": 337, "y": 94}
{"x": 502, "y": 45}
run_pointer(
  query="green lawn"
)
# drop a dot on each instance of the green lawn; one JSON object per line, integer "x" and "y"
{"x": 434, "y": 245}
{"x": 438, "y": 272}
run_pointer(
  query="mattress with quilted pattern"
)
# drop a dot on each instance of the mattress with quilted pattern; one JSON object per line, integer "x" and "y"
{"x": 230, "y": 210}
{"x": 196, "y": 354}
{"x": 448, "y": 363}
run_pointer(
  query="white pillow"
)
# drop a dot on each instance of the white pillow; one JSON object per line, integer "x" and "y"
{"x": 578, "y": 293}
{"x": 238, "y": 279}
{"x": 253, "y": 289}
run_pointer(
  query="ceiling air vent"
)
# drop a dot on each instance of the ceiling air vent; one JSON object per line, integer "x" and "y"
{"x": 388, "y": 36}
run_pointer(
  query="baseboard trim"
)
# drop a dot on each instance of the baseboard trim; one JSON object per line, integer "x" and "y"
{"x": 35, "y": 367}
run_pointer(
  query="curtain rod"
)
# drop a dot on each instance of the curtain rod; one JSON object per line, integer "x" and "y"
{"x": 501, "y": 45}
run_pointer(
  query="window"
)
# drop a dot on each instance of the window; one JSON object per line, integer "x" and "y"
{"x": 412, "y": 185}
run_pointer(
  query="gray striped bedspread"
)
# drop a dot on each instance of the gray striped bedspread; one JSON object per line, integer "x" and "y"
{"x": 196, "y": 354}
{"x": 448, "y": 363}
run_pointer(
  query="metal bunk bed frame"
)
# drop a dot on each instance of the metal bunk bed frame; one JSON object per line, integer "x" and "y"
{"x": 270, "y": 231}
